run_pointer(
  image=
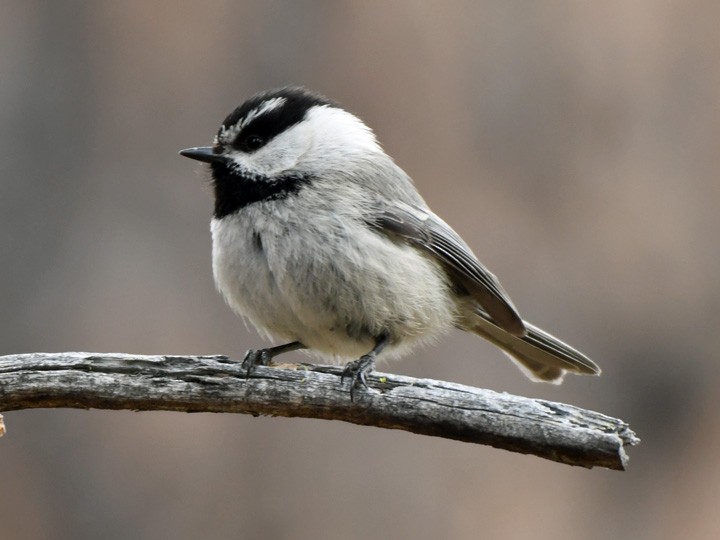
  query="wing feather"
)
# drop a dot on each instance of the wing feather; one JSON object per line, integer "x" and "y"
{"x": 426, "y": 231}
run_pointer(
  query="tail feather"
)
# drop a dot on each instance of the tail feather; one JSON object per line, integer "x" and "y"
{"x": 539, "y": 355}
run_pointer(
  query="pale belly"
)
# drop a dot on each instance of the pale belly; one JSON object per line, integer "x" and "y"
{"x": 336, "y": 296}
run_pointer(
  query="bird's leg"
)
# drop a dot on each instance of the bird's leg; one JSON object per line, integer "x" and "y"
{"x": 263, "y": 357}
{"x": 357, "y": 370}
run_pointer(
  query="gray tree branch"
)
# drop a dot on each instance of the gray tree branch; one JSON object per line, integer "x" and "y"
{"x": 554, "y": 431}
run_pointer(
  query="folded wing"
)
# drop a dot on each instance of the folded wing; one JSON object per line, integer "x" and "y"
{"x": 424, "y": 230}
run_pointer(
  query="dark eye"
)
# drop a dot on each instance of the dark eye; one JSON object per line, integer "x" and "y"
{"x": 253, "y": 142}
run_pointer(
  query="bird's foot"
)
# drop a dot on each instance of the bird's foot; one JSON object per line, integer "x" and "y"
{"x": 260, "y": 357}
{"x": 263, "y": 357}
{"x": 357, "y": 372}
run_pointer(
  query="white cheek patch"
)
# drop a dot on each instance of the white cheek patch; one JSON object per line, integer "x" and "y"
{"x": 285, "y": 150}
{"x": 282, "y": 153}
{"x": 326, "y": 138}
{"x": 240, "y": 163}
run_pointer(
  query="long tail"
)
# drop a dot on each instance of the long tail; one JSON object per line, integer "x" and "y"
{"x": 539, "y": 355}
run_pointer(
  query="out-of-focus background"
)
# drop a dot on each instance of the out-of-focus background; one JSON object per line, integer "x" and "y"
{"x": 574, "y": 145}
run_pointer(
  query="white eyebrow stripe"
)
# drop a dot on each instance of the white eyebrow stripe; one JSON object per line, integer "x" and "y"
{"x": 227, "y": 135}
{"x": 266, "y": 107}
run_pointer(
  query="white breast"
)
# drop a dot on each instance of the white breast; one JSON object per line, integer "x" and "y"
{"x": 331, "y": 283}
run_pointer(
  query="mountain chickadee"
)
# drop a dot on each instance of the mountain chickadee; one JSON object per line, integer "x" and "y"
{"x": 322, "y": 241}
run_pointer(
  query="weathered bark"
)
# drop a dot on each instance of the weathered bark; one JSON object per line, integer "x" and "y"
{"x": 555, "y": 431}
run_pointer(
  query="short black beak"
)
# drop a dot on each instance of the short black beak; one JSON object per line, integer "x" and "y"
{"x": 202, "y": 153}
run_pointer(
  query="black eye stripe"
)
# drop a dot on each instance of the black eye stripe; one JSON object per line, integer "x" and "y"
{"x": 249, "y": 143}
{"x": 270, "y": 124}
{"x": 267, "y": 125}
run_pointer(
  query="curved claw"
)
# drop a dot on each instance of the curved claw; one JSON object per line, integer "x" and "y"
{"x": 357, "y": 372}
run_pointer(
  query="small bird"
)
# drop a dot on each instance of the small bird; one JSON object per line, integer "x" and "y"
{"x": 321, "y": 241}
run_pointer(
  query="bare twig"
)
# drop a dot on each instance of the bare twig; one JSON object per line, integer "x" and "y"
{"x": 550, "y": 430}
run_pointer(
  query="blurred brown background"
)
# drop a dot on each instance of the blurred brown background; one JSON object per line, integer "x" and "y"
{"x": 573, "y": 144}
